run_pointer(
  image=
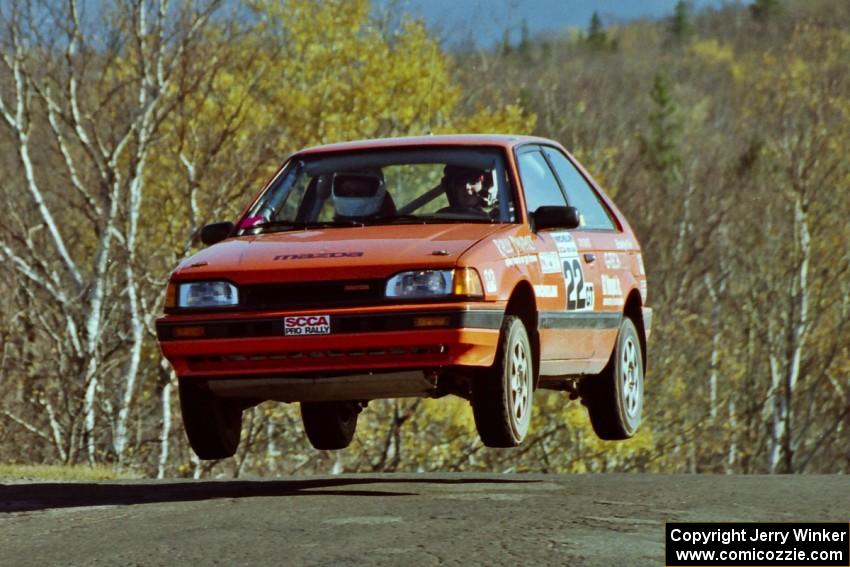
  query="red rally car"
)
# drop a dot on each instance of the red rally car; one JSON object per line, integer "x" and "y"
{"x": 480, "y": 266}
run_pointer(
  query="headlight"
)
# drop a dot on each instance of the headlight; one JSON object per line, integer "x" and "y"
{"x": 207, "y": 294}
{"x": 435, "y": 283}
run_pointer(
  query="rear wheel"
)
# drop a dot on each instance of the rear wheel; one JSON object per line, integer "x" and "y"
{"x": 501, "y": 399}
{"x": 330, "y": 425}
{"x": 614, "y": 399}
{"x": 212, "y": 424}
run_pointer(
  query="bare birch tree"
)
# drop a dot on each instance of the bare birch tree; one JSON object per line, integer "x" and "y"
{"x": 98, "y": 108}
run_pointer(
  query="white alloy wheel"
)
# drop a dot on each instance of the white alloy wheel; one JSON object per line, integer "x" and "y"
{"x": 502, "y": 397}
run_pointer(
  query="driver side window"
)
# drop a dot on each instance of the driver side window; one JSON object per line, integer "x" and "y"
{"x": 539, "y": 183}
{"x": 581, "y": 195}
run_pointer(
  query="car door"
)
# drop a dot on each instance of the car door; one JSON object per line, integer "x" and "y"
{"x": 568, "y": 278}
{"x": 601, "y": 240}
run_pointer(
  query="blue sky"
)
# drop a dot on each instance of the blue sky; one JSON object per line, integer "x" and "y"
{"x": 455, "y": 20}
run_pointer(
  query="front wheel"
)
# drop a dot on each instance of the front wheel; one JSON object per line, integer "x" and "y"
{"x": 212, "y": 424}
{"x": 501, "y": 399}
{"x": 614, "y": 398}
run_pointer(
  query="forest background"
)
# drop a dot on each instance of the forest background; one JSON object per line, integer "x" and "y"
{"x": 723, "y": 135}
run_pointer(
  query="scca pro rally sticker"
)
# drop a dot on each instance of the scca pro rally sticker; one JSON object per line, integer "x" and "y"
{"x": 302, "y": 325}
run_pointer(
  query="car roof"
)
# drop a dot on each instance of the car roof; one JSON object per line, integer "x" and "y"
{"x": 499, "y": 140}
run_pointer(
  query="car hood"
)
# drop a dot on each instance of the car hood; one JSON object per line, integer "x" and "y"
{"x": 333, "y": 253}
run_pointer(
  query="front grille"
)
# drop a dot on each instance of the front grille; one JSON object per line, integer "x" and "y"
{"x": 346, "y": 293}
{"x": 272, "y": 361}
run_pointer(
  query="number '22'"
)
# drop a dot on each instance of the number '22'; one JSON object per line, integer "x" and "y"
{"x": 579, "y": 291}
{"x": 576, "y": 298}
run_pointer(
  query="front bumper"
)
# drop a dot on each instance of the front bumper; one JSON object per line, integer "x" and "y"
{"x": 379, "y": 339}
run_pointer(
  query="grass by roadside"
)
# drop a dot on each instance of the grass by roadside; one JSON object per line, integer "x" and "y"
{"x": 61, "y": 473}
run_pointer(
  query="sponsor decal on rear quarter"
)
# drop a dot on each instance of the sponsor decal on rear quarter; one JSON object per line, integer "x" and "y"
{"x": 303, "y": 325}
{"x": 612, "y": 261}
{"x": 611, "y": 291}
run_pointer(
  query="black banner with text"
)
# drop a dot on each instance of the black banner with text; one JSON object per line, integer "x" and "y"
{"x": 758, "y": 544}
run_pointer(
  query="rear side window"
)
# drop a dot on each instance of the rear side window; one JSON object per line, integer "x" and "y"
{"x": 579, "y": 193}
{"x": 541, "y": 187}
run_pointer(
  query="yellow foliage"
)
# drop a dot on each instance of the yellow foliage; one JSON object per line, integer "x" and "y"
{"x": 63, "y": 473}
{"x": 604, "y": 162}
{"x": 712, "y": 51}
{"x": 309, "y": 73}
{"x": 512, "y": 119}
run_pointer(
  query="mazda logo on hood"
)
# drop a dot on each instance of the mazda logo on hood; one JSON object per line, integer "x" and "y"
{"x": 318, "y": 255}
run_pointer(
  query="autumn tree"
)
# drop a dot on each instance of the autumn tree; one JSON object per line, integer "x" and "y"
{"x": 83, "y": 122}
{"x": 146, "y": 122}
{"x": 798, "y": 100}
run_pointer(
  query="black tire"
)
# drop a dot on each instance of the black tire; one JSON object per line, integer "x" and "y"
{"x": 213, "y": 425}
{"x": 614, "y": 398}
{"x": 330, "y": 425}
{"x": 502, "y": 398}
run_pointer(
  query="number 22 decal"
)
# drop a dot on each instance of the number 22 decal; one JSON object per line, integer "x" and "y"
{"x": 579, "y": 291}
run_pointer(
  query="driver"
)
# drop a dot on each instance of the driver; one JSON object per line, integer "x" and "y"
{"x": 469, "y": 190}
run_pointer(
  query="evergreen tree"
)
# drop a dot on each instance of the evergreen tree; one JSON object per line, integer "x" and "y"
{"x": 661, "y": 146}
{"x": 764, "y": 10}
{"x": 506, "y": 47}
{"x": 524, "y": 40}
{"x": 680, "y": 27}
{"x": 597, "y": 38}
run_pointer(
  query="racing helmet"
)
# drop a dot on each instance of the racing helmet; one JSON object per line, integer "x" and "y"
{"x": 358, "y": 194}
{"x": 469, "y": 186}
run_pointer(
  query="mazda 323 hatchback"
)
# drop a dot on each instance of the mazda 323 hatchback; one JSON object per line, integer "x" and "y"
{"x": 483, "y": 267}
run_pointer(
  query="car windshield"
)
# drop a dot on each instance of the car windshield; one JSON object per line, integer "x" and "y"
{"x": 393, "y": 186}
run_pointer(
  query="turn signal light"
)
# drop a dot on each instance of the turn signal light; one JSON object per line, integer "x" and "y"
{"x": 467, "y": 283}
{"x": 171, "y": 296}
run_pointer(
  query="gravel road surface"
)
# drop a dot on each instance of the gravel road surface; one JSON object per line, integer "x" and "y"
{"x": 409, "y": 520}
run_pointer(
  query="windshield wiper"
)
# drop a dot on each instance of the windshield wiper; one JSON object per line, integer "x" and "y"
{"x": 425, "y": 219}
{"x": 284, "y": 225}
{"x": 414, "y": 218}
{"x": 322, "y": 224}
{"x": 290, "y": 225}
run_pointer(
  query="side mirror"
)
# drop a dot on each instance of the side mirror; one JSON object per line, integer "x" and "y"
{"x": 216, "y": 232}
{"x": 555, "y": 217}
